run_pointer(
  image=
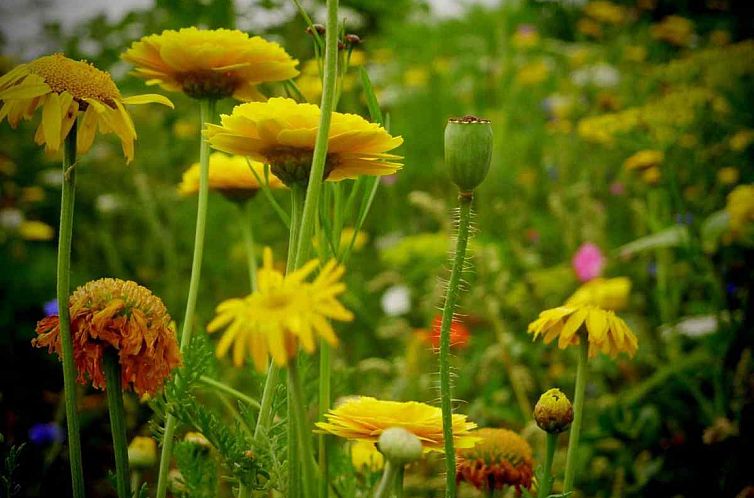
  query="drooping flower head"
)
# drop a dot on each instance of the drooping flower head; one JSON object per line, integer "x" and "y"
{"x": 363, "y": 418}
{"x": 604, "y": 331}
{"x": 229, "y": 175}
{"x": 501, "y": 458}
{"x": 282, "y": 132}
{"x": 606, "y": 293}
{"x": 588, "y": 261}
{"x": 122, "y": 316}
{"x": 66, "y": 89}
{"x": 284, "y": 311}
{"x": 204, "y": 63}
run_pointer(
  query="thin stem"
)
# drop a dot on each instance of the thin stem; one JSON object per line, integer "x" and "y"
{"x": 243, "y": 491}
{"x": 308, "y": 471}
{"x": 247, "y": 233}
{"x": 578, "y": 412}
{"x": 398, "y": 490}
{"x": 324, "y": 404}
{"x": 451, "y": 297}
{"x": 117, "y": 423}
{"x": 135, "y": 480}
{"x": 546, "y": 486}
{"x": 210, "y": 382}
{"x": 207, "y": 113}
{"x": 386, "y": 485}
{"x": 63, "y": 290}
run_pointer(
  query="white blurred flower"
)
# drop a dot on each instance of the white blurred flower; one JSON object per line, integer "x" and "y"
{"x": 600, "y": 75}
{"x": 11, "y": 218}
{"x": 396, "y": 300}
{"x": 107, "y": 203}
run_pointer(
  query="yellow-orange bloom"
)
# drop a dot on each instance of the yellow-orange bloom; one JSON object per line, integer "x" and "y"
{"x": 644, "y": 159}
{"x": 605, "y": 293}
{"x": 65, "y": 89}
{"x": 282, "y": 132}
{"x": 283, "y": 311}
{"x": 229, "y": 175}
{"x": 740, "y": 209}
{"x": 604, "y": 331}
{"x": 501, "y": 458}
{"x": 363, "y": 418}
{"x": 123, "y": 316}
{"x": 213, "y": 63}
{"x": 365, "y": 457}
{"x": 675, "y": 30}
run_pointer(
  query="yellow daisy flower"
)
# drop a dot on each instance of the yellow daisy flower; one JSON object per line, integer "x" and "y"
{"x": 213, "y": 63}
{"x": 363, "y": 418}
{"x": 229, "y": 175}
{"x": 282, "y": 132}
{"x": 283, "y": 311}
{"x": 65, "y": 89}
{"x": 603, "y": 329}
{"x": 605, "y": 293}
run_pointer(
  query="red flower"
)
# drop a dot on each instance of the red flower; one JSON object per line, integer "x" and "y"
{"x": 459, "y": 334}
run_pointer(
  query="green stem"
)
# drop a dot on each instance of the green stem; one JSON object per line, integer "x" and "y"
{"x": 399, "y": 482}
{"x": 324, "y": 404}
{"x": 243, "y": 491}
{"x": 546, "y": 487}
{"x": 210, "y": 382}
{"x": 117, "y": 423}
{"x": 207, "y": 112}
{"x": 63, "y": 290}
{"x": 314, "y": 188}
{"x": 578, "y": 413}
{"x": 451, "y": 297}
{"x": 247, "y": 233}
{"x": 135, "y": 480}
{"x": 386, "y": 486}
{"x": 303, "y": 438}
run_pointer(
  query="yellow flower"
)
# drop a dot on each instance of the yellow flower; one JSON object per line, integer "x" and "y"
{"x": 606, "y": 12}
{"x": 644, "y": 159}
{"x": 229, "y": 175}
{"x": 740, "y": 208}
{"x": 609, "y": 294}
{"x": 282, "y": 132}
{"x": 533, "y": 73}
{"x": 142, "y": 452}
{"x": 64, "y": 89}
{"x": 35, "y": 230}
{"x": 365, "y": 457}
{"x": 741, "y": 139}
{"x": 501, "y": 458}
{"x": 675, "y": 30}
{"x": 651, "y": 176}
{"x": 728, "y": 175}
{"x": 589, "y": 27}
{"x": 553, "y": 412}
{"x": 210, "y": 63}
{"x": 363, "y": 418}
{"x": 603, "y": 329}
{"x": 284, "y": 310}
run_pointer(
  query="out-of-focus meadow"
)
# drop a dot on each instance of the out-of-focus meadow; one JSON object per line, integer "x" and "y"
{"x": 621, "y": 129}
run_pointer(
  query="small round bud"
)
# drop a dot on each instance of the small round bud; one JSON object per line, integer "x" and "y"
{"x": 468, "y": 151}
{"x": 319, "y": 28}
{"x": 553, "y": 412}
{"x": 399, "y": 445}
{"x": 142, "y": 452}
{"x": 353, "y": 39}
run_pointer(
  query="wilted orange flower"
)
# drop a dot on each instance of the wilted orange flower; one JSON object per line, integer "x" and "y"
{"x": 115, "y": 314}
{"x": 501, "y": 458}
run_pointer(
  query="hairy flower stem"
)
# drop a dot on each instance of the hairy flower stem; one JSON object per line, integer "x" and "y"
{"x": 63, "y": 290}
{"x": 578, "y": 412}
{"x": 464, "y": 220}
{"x": 546, "y": 485}
{"x": 387, "y": 483}
{"x": 117, "y": 423}
{"x": 247, "y": 233}
{"x": 207, "y": 114}
{"x": 302, "y": 431}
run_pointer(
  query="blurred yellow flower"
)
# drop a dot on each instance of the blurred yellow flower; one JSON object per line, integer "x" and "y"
{"x": 740, "y": 209}
{"x": 526, "y": 36}
{"x": 282, "y": 132}
{"x": 589, "y": 27}
{"x": 415, "y": 77}
{"x": 32, "y": 194}
{"x": 142, "y": 452}
{"x": 606, "y": 12}
{"x": 229, "y": 175}
{"x": 346, "y": 234}
{"x": 213, "y": 63}
{"x": 719, "y": 37}
{"x": 363, "y": 418}
{"x": 63, "y": 88}
{"x": 644, "y": 159}
{"x": 651, "y": 176}
{"x": 635, "y": 53}
{"x": 728, "y": 175}
{"x": 605, "y": 332}
{"x": 675, "y": 30}
{"x": 365, "y": 457}
{"x": 533, "y": 73}
{"x": 35, "y": 230}
{"x": 610, "y": 294}
{"x": 284, "y": 310}
{"x": 741, "y": 140}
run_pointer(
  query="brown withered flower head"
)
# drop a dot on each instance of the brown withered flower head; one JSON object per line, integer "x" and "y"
{"x": 126, "y": 317}
{"x": 501, "y": 458}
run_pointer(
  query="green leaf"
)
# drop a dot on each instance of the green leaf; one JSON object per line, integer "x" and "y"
{"x": 674, "y": 236}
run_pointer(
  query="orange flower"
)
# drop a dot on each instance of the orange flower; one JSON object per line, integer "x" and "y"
{"x": 118, "y": 314}
{"x": 459, "y": 333}
{"x": 501, "y": 458}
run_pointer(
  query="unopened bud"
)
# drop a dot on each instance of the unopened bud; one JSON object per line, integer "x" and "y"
{"x": 142, "y": 452}
{"x": 553, "y": 412}
{"x": 353, "y": 39}
{"x": 319, "y": 28}
{"x": 399, "y": 445}
{"x": 197, "y": 439}
{"x": 468, "y": 151}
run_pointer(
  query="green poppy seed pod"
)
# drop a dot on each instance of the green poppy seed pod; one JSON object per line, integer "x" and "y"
{"x": 399, "y": 446}
{"x": 553, "y": 412}
{"x": 468, "y": 151}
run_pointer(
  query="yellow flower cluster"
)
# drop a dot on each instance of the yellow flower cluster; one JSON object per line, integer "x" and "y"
{"x": 675, "y": 30}
{"x": 606, "y": 12}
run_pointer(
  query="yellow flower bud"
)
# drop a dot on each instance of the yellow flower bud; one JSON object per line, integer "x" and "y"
{"x": 553, "y": 412}
{"x": 142, "y": 452}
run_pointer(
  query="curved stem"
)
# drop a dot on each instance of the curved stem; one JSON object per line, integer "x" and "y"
{"x": 63, "y": 290}
{"x": 578, "y": 412}
{"x": 207, "y": 110}
{"x": 546, "y": 486}
{"x": 117, "y": 423}
{"x": 387, "y": 485}
{"x": 210, "y": 382}
{"x": 303, "y": 434}
{"x": 451, "y": 297}
{"x": 247, "y": 232}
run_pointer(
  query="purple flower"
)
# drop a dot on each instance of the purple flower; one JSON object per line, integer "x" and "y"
{"x": 588, "y": 262}
{"x": 617, "y": 188}
{"x": 51, "y": 307}
{"x": 45, "y": 434}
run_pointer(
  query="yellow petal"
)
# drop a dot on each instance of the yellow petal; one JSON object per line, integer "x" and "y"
{"x": 51, "y": 121}
{"x": 148, "y": 98}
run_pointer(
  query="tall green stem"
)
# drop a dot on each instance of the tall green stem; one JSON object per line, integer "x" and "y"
{"x": 451, "y": 297}
{"x": 247, "y": 232}
{"x": 117, "y": 423}
{"x": 578, "y": 413}
{"x": 387, "y": 483}
{"x": 63, "y": 290}
{"x": 324, "y": 404}
{"x": 207, "y": 112}
{"x": 546, "y": 485}
{"x": 302, "y": 431}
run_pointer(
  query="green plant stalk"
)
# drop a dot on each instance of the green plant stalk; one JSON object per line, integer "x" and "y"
{"x": 578, "y": 413}
{"x": 398, "y": 490}
{"x": 305, "y": 452}
{"x": 324, "y": 403}
{"x": 135, "y": 480}
{"x": 117, "y": 423}
{"x": 387, "y": 483}
{"x": 247, "y": 232}
{"x": 546, "y": 487}
{"x": 464, "y": 220}
{"x": 207, "y": 113}
{"x": 65, "y": 234}
{"x": 216, "y": 384}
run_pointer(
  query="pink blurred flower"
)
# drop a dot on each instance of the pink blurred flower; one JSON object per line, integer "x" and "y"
{"x": 588, "y": 262}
